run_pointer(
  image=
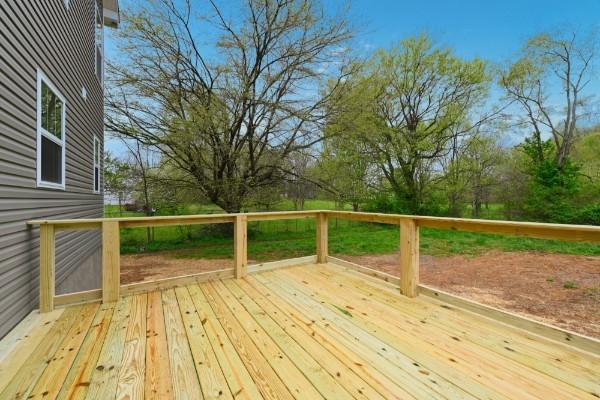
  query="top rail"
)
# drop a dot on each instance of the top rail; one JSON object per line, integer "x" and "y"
{"x": 575, "y": 233}
{"x": 566, "y": 232}
{"x": 142, "y": 222}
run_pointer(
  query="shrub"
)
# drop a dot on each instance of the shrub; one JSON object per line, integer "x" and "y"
{"x": 590, "y": 215}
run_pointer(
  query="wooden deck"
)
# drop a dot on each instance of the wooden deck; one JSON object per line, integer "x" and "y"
{"x": 308, "y": 332}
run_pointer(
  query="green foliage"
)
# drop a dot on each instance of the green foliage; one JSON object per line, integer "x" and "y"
{"x": 589, "y": 215}
{"x": 586, "y": 151}
{"x": 552, "y": 187}
{"x": 276, "y": 240}
{"x": 385, "y": 203}
{"x": 402, "y": 110}
{"x": 117, "y": 178}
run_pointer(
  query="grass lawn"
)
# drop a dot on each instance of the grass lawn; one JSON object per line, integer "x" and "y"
{"x": 271, "y": 240}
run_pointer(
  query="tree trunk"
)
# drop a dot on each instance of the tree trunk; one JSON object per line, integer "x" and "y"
{"x": 120, "y": 199}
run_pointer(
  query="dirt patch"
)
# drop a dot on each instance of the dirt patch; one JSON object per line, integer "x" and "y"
{"x": 153, "y": 266}
{"x": 559, "y": 289}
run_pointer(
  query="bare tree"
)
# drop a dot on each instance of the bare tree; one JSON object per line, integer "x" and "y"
{"x": 141, "y": 163}
{"x": 566, "y": 58}
{"x": 298, "y": 185}
{"x": 230, "y": 120}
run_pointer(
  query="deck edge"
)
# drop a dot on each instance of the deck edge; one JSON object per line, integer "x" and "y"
{"x": 365, "y": 270}
{"x": 9, "y": 342}
{"x": 168, "y": 283}
{"x": 290, "y": 262}
{"x": 557, "y": 334}
{"x": 83, "y": 297}
{"x": 566, "y": 337}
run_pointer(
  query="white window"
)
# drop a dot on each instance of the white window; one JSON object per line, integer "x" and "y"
{"x": 97, "y": 153}
{"x": 99, "y": 41}
{"x": 51, "y": 135}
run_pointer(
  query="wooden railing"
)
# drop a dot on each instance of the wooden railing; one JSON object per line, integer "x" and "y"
{"x": 409, "y": 244}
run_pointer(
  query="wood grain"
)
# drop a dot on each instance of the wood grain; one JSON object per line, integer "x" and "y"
{"x": 314, "y": 331}
{"x": 158, "y": 372}
{"x": 111, "y": 261}
{"x": 183, "y": 372}
{"x": 322, "y": 238}
{"x": 240, "y": 246}
{"x": 130, "y": 384}
{"x": 78, "y": 380}
{"x": 47, "y": 267}
{"x": 409, "y": 258}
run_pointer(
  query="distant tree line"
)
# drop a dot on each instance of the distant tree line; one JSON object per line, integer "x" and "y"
{"x": 274, "y": 104}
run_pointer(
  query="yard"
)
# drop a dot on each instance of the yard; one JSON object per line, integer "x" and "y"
{"x": 556, "y": 282}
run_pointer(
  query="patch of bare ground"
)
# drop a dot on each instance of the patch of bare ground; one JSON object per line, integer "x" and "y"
{"x": 146, "y": 267}
{"x": 559, "y": 289}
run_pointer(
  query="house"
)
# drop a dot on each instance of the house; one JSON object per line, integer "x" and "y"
{"x": 51, "y": 142}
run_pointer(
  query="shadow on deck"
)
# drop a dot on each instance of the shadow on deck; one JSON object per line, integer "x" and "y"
{"x": 303, "y": 332}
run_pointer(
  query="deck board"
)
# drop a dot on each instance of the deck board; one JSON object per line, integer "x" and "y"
{"x": 34, "y": 366}
{"x": 76, "y": 384}
{"x": 473, "y": 367}
{"x": 183, "y": 371}
{"x": 514, "y": 344}
{"x": 157, "y": 381}
{"x": 130, "y": 382}
{"x": 210, "y": 375}
{"x": 305, "y": 332}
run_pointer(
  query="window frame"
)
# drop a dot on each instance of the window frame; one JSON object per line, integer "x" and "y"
{"x": 41, "y": 132}
{"x": 96, "y": 142}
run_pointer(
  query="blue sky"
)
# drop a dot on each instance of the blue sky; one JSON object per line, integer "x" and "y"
{"x": 494, "y": 29}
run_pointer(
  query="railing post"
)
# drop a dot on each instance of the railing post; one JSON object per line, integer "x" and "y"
{"x": 409, "y": 257}
{"x": 322, "y": 238}
{"x": 111, "y": 261}
{"x": 240, "y": 245}
{"x": 47, "y": 267}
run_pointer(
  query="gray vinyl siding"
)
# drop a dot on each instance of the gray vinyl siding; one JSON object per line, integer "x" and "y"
{"x": 45, "y": 34}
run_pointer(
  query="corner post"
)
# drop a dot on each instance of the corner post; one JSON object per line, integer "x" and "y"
{"x": 409, "y": 257}
{"x": 47, "y": 267}
{"x": 240, "y": 245}
{"x": 322, "y": 238}
{"x": 111, "y": 261}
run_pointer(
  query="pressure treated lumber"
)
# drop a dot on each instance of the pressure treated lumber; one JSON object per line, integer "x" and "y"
{"x": 240, "y": 246}
{"x": 47, "y": 267}
{"x": 322, "y": 238}
{"x": 310, "y": 331}
{"x": 409, "y": 257}
{"x": 111, "y": 261}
